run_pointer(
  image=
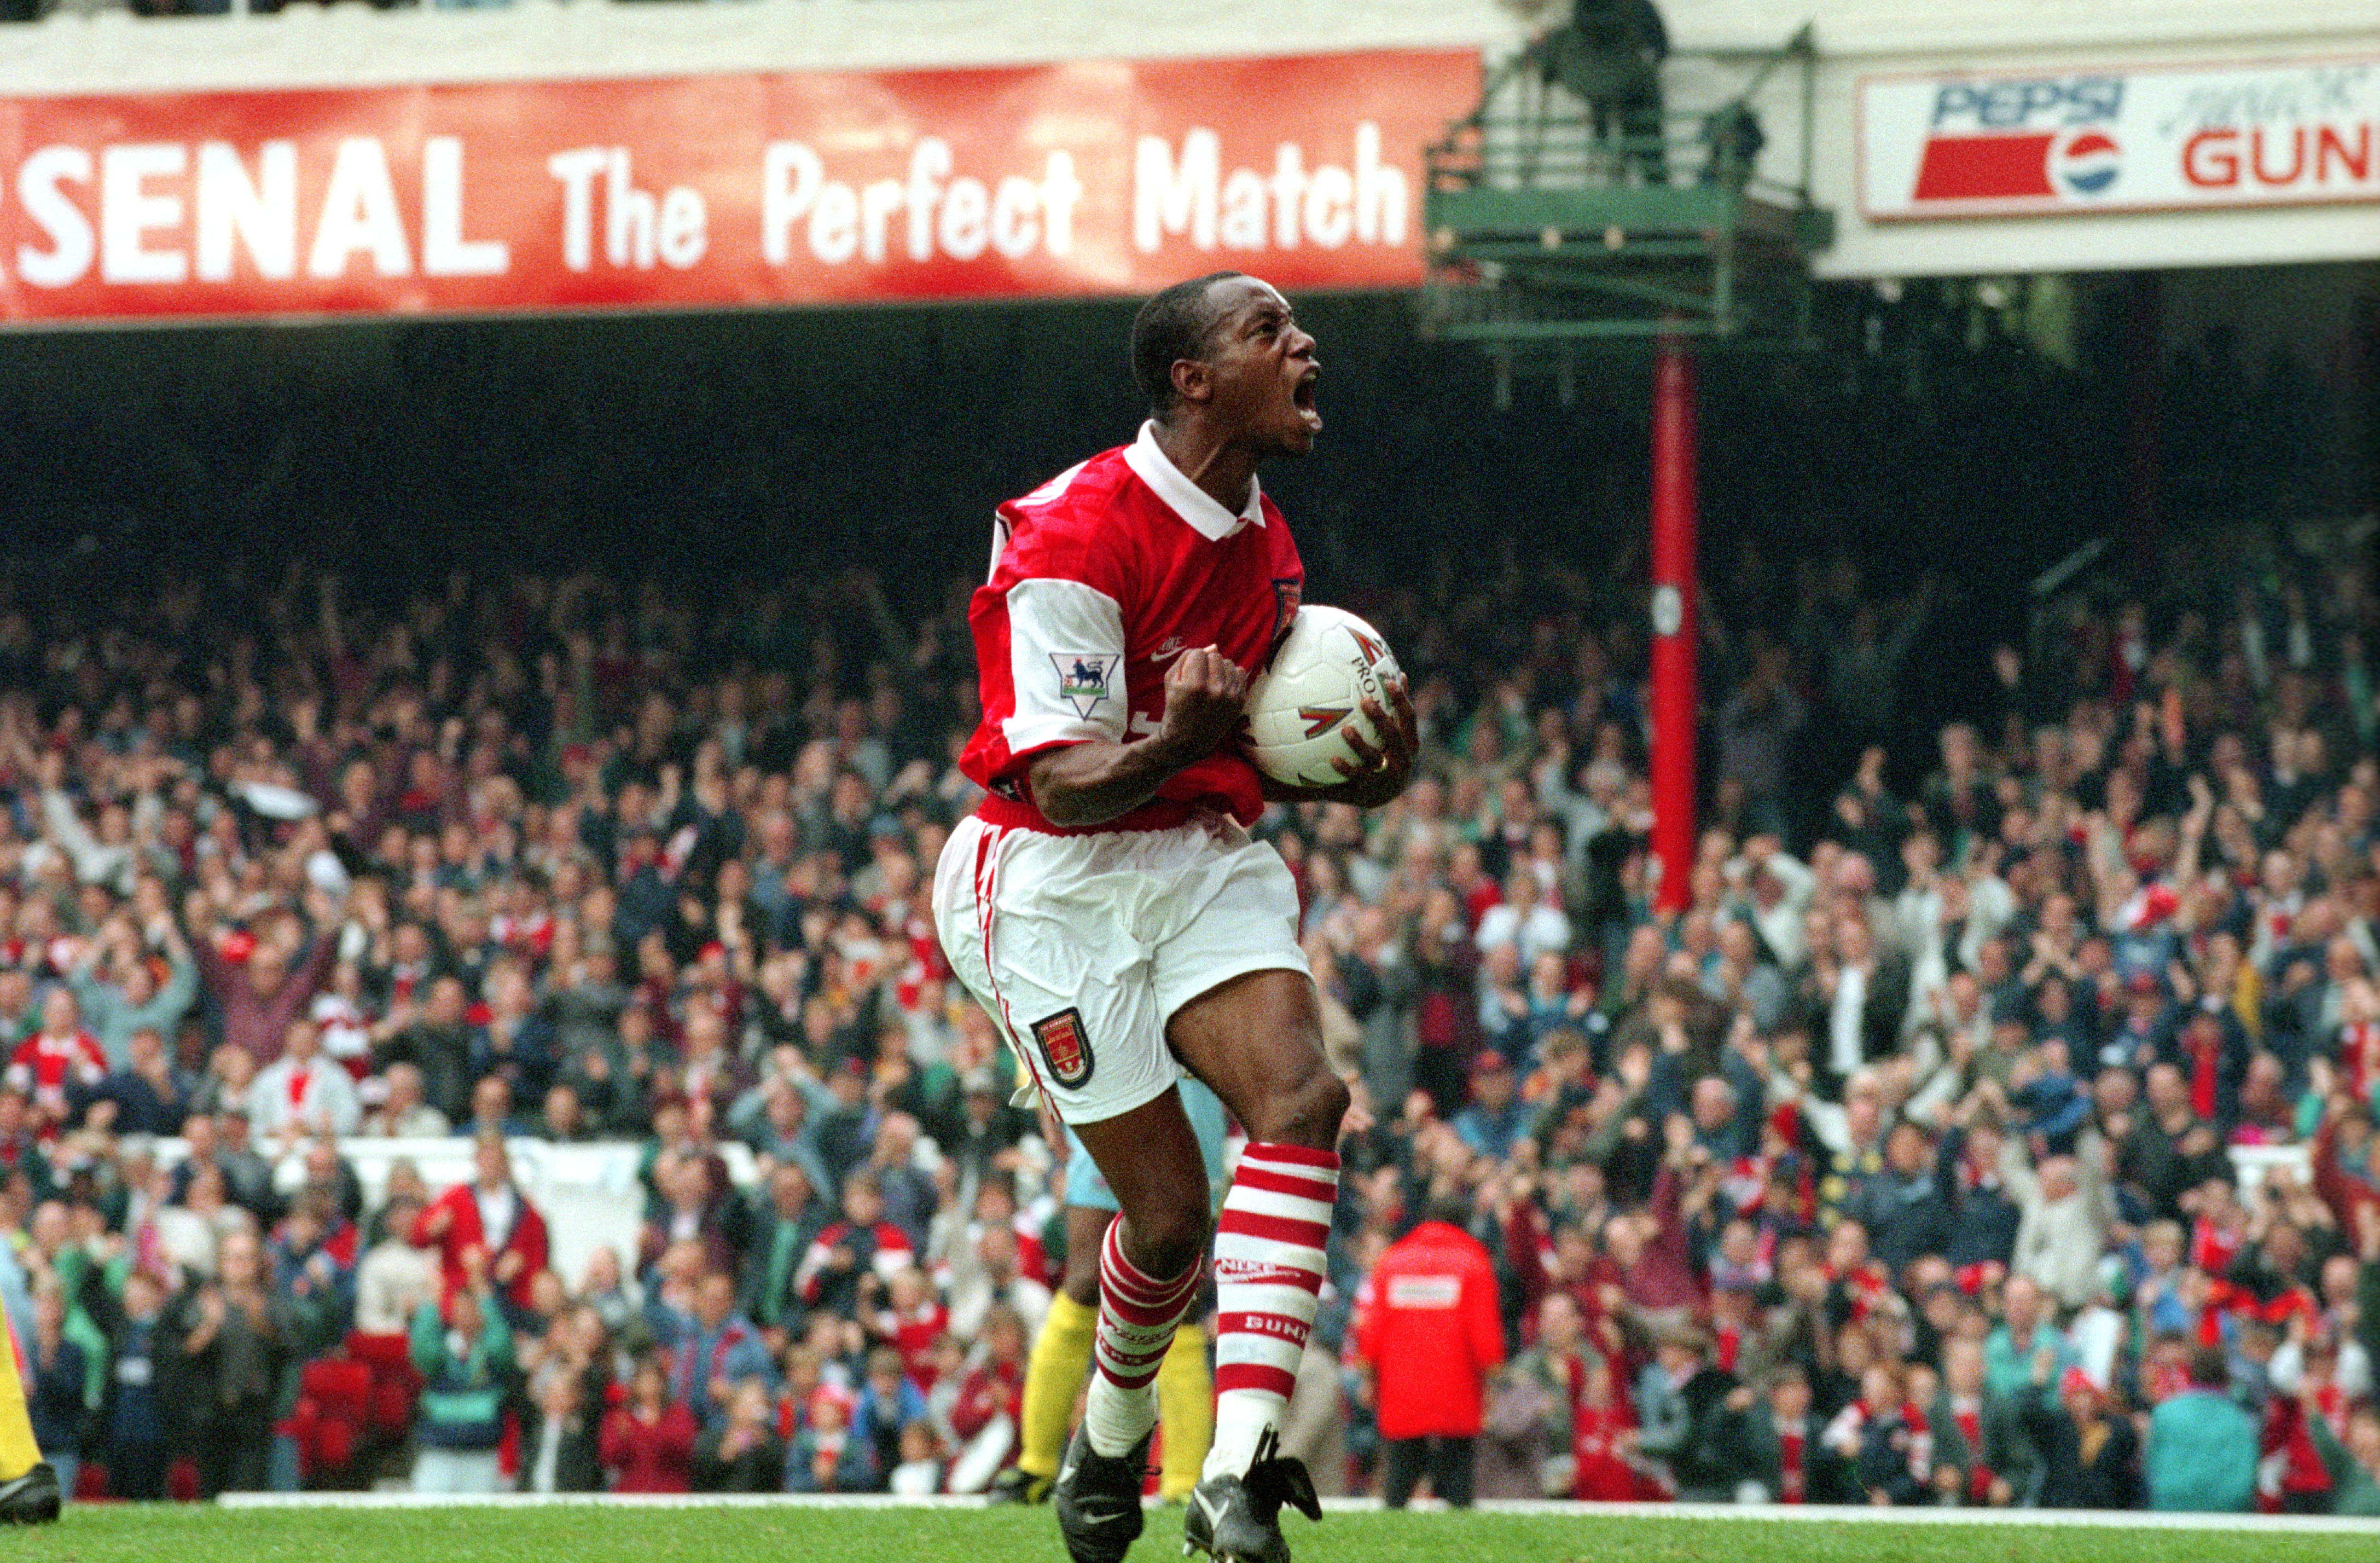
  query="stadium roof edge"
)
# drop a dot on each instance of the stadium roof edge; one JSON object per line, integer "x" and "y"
{"x": 344, "y": 46}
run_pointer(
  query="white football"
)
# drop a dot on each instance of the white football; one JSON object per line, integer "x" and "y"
{"x": 1301, "y": 709}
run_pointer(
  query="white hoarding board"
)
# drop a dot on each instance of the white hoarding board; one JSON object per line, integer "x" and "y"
{"x": 2119, "y": 138}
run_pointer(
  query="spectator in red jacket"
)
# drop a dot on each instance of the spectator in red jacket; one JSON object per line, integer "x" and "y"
{"x": 492, "y": 1215}
{"x": 2346, "y": 1160}
{"x": 991, "y": 1404}
{"x": 58, "y": 1059}
{"x": 1428, "y": 1324}
{"x": 647, "y": 1441}
{"x": 847, "y": 1266}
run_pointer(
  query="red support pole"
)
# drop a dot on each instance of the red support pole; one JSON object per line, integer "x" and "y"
{"x": 1673, "y": 711}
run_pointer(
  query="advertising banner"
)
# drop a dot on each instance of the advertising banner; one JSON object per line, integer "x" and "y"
{"x": 2120, "y": 139}
{"x": 709, "y": 191}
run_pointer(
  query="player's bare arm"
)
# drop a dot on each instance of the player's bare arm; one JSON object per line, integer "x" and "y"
{"x": 1088, "y": 783}
{"x": 1375, "y": 776}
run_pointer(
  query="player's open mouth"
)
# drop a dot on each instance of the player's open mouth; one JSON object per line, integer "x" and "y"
{"x": 1302, "y": 396}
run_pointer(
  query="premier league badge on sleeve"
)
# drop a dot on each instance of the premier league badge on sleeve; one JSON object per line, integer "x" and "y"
{"x": 1085, "y": 678}
{"x": 1064, "y": 1048}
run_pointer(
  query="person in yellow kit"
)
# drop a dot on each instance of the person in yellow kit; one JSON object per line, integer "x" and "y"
{"x": 29, "y": 1485}
{"x": 1062, "y": 1353}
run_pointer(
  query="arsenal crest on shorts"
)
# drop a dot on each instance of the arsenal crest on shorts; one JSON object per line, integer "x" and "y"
{"x": 1064, "y": 1048}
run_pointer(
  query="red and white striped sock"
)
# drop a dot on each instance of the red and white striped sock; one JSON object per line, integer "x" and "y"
{"x": 1137, "y": 1316}
{"x": 1269, "y": 1269}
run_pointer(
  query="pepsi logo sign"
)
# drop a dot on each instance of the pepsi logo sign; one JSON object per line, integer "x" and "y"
{"x": 2086, "y": 163}
{"x": 2138, "y": 138}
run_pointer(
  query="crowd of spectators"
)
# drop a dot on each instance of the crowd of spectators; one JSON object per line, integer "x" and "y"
{"x": 1897, "y": 1165}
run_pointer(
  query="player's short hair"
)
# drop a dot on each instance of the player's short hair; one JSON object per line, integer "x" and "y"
{"x": 1173, "y": 325}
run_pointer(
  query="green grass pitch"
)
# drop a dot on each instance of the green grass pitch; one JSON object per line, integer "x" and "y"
{"x": 599, "y": 1534}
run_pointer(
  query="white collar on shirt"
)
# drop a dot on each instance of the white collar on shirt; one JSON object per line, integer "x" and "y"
{"x": 496, "y": 1209}
{"x": 1186, "y": 498}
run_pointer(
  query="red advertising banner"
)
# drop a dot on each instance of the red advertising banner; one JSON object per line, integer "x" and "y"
{"x": 798, "y": 189}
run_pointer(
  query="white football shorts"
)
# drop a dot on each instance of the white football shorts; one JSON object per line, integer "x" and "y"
{"x": 1083, "y": 946}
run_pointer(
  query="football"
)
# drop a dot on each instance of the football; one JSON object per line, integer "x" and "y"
{"x": 1302, "y": 707}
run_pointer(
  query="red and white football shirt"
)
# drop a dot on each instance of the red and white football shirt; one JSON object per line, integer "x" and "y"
{"x": 44, "y": 1066}
{"x": 1100, "y": 577}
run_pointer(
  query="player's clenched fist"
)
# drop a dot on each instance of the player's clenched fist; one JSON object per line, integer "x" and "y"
{"x": 1204, "y": 692}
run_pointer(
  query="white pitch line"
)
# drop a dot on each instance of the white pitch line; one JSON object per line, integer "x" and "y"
{"x": 2047, "y": 1519}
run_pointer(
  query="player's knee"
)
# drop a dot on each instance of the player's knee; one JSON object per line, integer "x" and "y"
{"x": 1165, "y": 1229}
{"x": 1307, "y": 1114}
{"x": 1327, "y": 1110}
{"x": 1174, "y": 1238}
{"x": 1082, "y": 1282}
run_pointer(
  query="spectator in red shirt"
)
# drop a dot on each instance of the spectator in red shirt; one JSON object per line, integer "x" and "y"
{"x": 492, "y": 1217}
{"x": 1428, "y": 1325}
{"x": 991, "y": 1404}
{"x": 846, "y": 1268}
{"x": 2345, "y": 1159}
{"x": 58, "y": 1060}
{"x": 647, "y": 1442}
{"x": 1648, "y": 1247}
{"x": 912, "y": 1319}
